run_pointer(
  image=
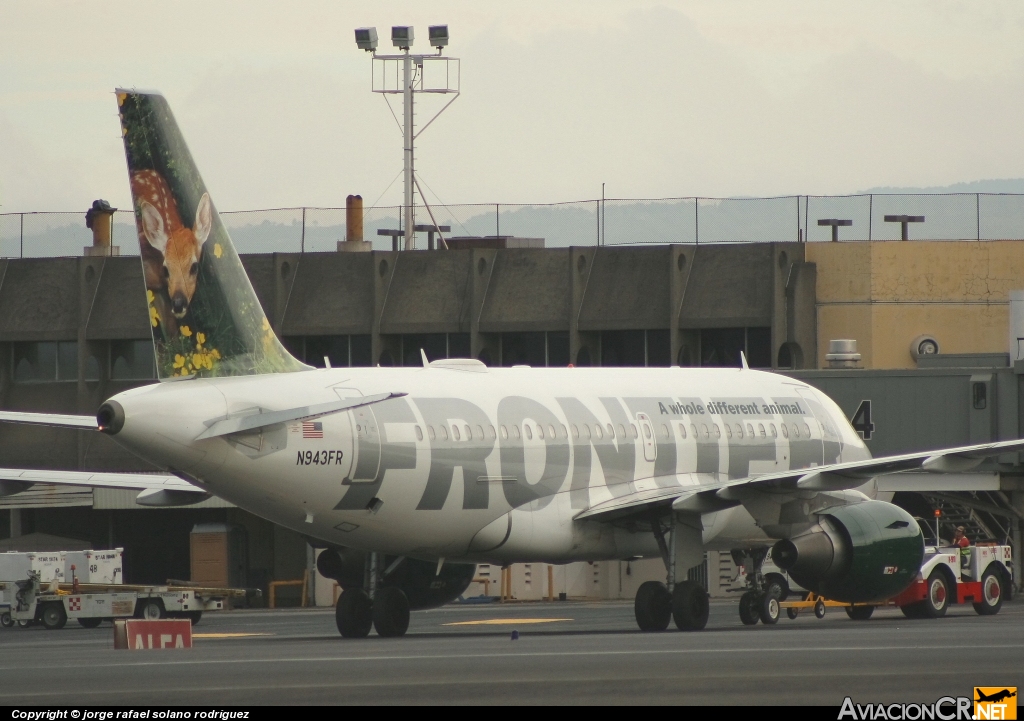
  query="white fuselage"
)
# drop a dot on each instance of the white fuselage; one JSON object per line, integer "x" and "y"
{"x": 488, "y": 464}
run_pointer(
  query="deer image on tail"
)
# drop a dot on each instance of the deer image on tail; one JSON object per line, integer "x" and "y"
{"x": 170, "y": 251}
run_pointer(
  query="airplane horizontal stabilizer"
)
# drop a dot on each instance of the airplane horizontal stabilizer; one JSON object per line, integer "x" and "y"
{"x": 262, "y": 419}
{"x": 16, "y": 480}
{"x": 50, "y": 419}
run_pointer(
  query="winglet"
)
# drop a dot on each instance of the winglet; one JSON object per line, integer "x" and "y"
{"x": 743, "y": 358}
{"x": 423, "y": 355}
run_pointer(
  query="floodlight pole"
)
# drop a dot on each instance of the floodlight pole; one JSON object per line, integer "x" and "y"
{"x": 410, "y": 139}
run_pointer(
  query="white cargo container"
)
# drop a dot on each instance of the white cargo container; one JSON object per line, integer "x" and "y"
{"x": 94, "y": 566}
{"x": 14, "y": 566}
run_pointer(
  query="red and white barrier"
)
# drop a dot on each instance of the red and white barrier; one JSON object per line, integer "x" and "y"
{"x": 139, "y": 635}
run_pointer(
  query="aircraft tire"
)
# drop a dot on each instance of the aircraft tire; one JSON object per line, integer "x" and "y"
{"x": 768, "y": 608}
{"x": 354, "y": 613}
{"x": 748, "y": 608}
{"x": 690, "y": 607}
{"x": 860, "y": 613}
{"x": 90, "y": 622}
{"x": 652, "y": 606}
{"x": 778, "y": 581}
{"x": 937, "y": 600}
{"x": 391, "y": 612}
{"x": 991, "y": 593}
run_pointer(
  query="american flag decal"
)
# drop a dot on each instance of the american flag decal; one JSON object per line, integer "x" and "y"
{"x": 312, "y": 429}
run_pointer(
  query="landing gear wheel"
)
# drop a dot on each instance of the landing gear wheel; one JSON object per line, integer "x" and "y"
{"x": 749, "y": 608}
{"x": 690, "y": 606}
{"x": 653, "y": 606}
{"x": 860, "y": 613}
{"x": 937, "y": 600}
{"x": 792, "y": 613}
{"x": 53, "y": 616}
{"x": 90, "y": 622}
{"x": 391, "y": 612}
{"x": 6, "y": 621}
{"x": 354, "y": 613}
{"x": 778, "y": 582}
{"x": 150, "y": 610}
{"x": 768, "y": 610}
{"x": 819, "y": 609}
{"x": 913, "y": 610}
{"x": 991, "y": 594}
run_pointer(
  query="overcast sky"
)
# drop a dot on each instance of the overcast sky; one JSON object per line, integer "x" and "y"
{"x": 656, "y": 99}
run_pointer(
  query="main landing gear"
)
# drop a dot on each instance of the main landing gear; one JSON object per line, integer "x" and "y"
{"x": 384, "y": 608}
{"x": 760, "y": 602}
{"x": 684, "y": 602}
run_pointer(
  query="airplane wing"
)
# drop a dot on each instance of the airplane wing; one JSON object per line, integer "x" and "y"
{"x": 831, "y": 477}
{"x": 158, "y": 489}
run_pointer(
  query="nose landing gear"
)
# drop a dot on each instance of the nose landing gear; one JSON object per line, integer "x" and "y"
{"x": 760, "y": 602}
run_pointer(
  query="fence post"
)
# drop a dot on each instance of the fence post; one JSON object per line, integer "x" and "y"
{"x": 696, "y": 221}
{"x": 977, "y": 212}
{"x": 302, "y": 240}
{"x": 871, "y": 214}
{"x": 597, "y": 218}
{"x": 807, "y": 218}
{"x": 497, "y": 219}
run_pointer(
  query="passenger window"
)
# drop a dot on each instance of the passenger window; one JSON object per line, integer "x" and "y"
{"x": 760, "y": 429}
{"x": 515, "y": 431}
{"x": 551, "y": 431}
{"x": 611, "y": 431}
{"x": 469, "y": 433}
{"x": 540, "y": 431}
{"x": 785, "y": 431}
{"x": 598, "y": 433}
{"x": 430, "y": 433}
{"x": 575, "y": 431}
{"x": 622, "y": 431}
{"x": 664, "y": 431}
{"x": 632, "y": 431}
{"x": 504, "y": 433}
{"x": 704, "y": 430}
{"x": 455, "y": 432}
{"x": 682, "y": 431}
{"x": 444, "y": 432}
{"x": 807, "y": 430}
{"x": 419, "y": 433}
{"x": 750, "y": 430}
{"x": 796, "y": 430}
{"x": 490, "y": 430}
{"x": 718, "y": 432}
{"x": 771, "y": 427}
{"x": 586, "y": 431}
{"x": 480, "y": 432}
{"x": 739, "y": 430}
{"x": 529, "y": 432}
{"x": 693, "y": 427}
{"x": 728, "y": 430}
{"x": 565, "y": 433}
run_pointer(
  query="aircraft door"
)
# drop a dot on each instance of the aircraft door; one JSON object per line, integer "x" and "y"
{"x": 831, "y": 439}
{"x": 647, "y": 436}
{"x": 367, "y": 445}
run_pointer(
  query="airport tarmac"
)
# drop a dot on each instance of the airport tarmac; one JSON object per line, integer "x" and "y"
{"x": 570, "y": 652}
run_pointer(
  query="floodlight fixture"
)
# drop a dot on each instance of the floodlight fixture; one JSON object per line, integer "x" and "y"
{"x": 366, "y": 39}
{"x": 836, "y": 223}
{"x": 438, "y": 36}
{"x": 402, "y": 36}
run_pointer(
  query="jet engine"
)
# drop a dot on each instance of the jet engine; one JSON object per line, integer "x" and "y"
{"x": 419, "y": 580}
{"x": 859, "y": 553}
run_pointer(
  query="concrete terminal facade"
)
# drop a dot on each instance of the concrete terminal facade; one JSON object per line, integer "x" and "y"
{"x": 74, "y": 331}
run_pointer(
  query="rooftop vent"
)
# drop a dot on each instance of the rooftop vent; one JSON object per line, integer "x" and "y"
{"x": 842, "y": 354}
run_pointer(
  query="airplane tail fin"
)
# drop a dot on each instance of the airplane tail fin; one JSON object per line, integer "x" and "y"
{"x": 206, "y": 318}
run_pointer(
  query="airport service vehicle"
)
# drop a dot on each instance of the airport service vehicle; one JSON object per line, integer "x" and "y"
{"x": 410, "y": 476}
{"x": 53, "y": 605}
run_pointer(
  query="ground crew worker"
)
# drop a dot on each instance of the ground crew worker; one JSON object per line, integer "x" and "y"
{"x": 959, "y": 539}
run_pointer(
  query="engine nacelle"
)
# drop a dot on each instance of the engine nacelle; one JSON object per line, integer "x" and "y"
{"x": 860, "y": 553}
{"x": 419, "y": 580}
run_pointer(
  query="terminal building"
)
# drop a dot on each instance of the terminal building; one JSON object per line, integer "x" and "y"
{"x": 937, "y": 358}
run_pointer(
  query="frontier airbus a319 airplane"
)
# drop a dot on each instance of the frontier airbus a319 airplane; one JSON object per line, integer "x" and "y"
{"x": 411, "y": 476}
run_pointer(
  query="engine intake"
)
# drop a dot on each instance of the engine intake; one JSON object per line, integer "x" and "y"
{"x": 860, "y": 553}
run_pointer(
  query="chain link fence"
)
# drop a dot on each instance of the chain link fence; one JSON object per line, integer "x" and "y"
{"x": 955, "y": 216}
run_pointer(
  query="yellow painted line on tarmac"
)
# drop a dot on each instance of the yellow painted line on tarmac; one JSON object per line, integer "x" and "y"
{"x": 228, "y": 635}
{"x": 506, "y": 621}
